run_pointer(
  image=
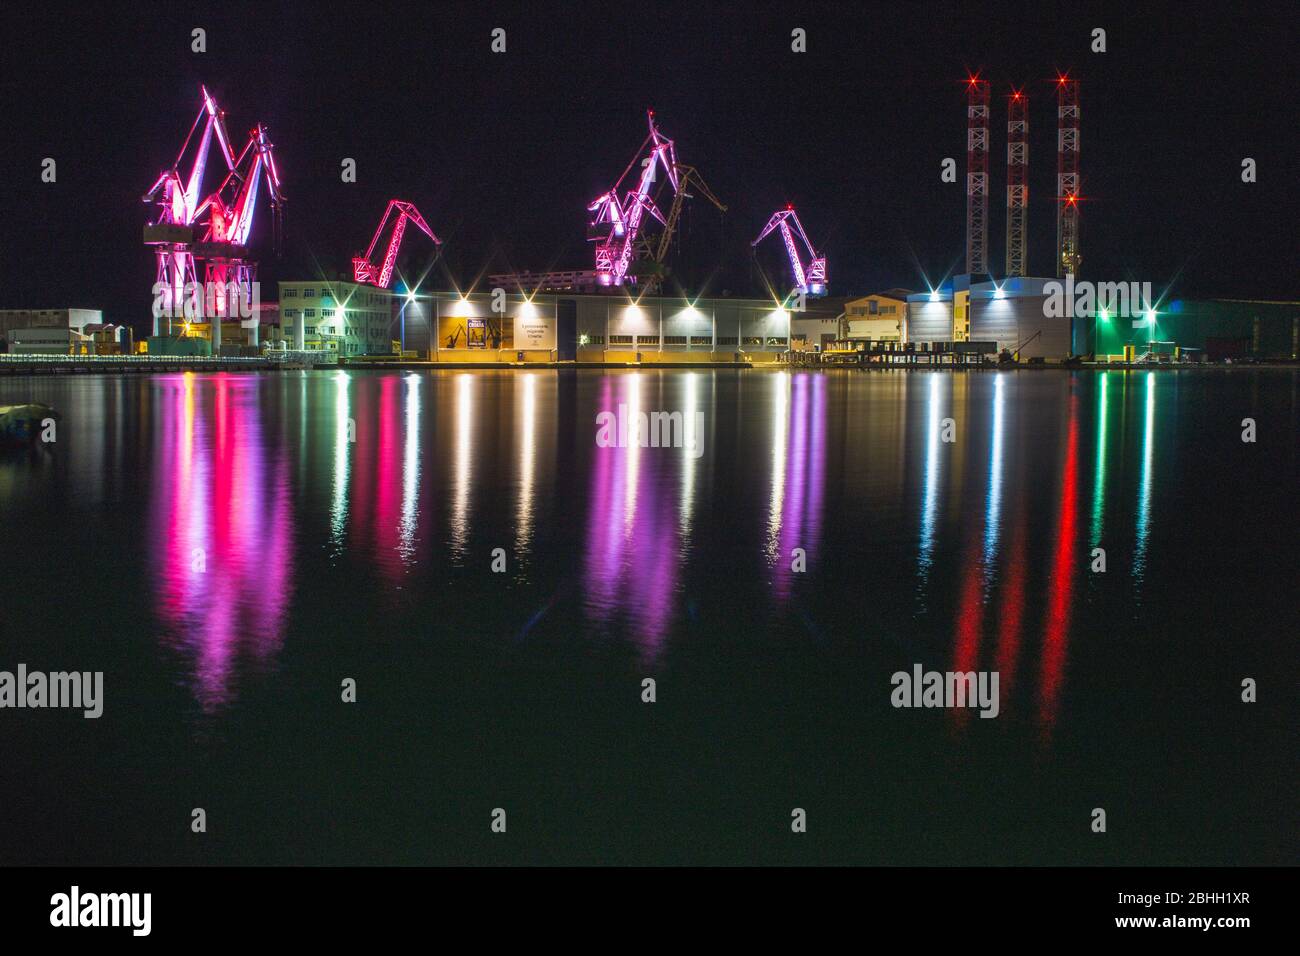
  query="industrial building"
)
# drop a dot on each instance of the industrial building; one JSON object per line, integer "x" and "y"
{"x": 1011, "y": 315}
{"x": 49, "y": 340}
{"x": 1015, "y": 315}
{"x": 1213, "y": 329}
{"x": 12, "y": 320}
{"x": 495, "y": 327}
{"x": 818, "y": 324}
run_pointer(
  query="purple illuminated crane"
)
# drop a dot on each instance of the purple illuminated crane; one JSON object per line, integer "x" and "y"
{"x": 616, "y": 224}
{"x": 363, "y": 270}
{"x": 809, "y": 281}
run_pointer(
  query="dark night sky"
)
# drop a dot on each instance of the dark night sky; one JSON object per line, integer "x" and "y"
{"x": 502, "y": 152}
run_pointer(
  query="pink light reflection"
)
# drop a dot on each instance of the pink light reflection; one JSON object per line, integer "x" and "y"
{"x": 220, "y": 530}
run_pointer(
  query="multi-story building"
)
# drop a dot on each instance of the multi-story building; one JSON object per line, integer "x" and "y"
{"x": 881, "y": 317}
{"x": 345, "y": 317}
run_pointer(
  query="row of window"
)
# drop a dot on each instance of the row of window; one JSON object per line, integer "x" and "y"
{"x": 372, "y": 298}
{"x": 373, "y": 318}
{"x": 771, "y": 341}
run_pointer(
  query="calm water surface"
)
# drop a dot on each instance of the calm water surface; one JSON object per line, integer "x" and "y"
{"x": 229, "y": 548}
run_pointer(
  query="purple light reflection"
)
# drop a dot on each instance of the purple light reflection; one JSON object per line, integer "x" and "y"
{"x": 633, "y": 555}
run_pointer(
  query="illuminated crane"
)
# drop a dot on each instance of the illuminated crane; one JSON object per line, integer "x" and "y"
{"x": 224, "y": 248}
{"x": 616, "y": 224}
{"x": 214, "y": 229}
{"x": 363, "y": 270}
{"x": 172, "y": 233}
{"x": 809, "y": 281}
{"x": 625, "y": 253}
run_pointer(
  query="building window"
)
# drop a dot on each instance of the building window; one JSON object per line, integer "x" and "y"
{"x": 620, "y": 340}
{"x": 309, "y": 313}
{"x": 291, "y": 293}
{"x": 873, "y": 306}
{"x": 586, "y": 339}
{"x": 674, "y": 340}
{"x": 310, "y": 330}
{"x": 753, "y": 340}
{"x": 775, "y": 341}
{"x": 702, "y": 340}
{"x": 309, "y": 293}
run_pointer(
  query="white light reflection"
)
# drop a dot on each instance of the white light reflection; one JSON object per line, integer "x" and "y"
{"x": 780, "y": 439}
{"x": 463, "y": 464}
{"x": 930, "y": 504}
{"x": 410, "y": 469}
{"x": 342, "y": 459}
{"x": 527, "y": 455}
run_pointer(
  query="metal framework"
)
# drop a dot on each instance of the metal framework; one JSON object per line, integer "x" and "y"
{"x": 977, "y": 175}
{"x": 616, "y": 223}
{"x": 215, "y": 229}
{"x": 224, "y": 247}
{"x": 810, "y": 280}
{"x": 172, "y": 233}
{"x": 1068, "y": 184}
{"x": 363, "y": 270}
{"x": 1017, "y": 181}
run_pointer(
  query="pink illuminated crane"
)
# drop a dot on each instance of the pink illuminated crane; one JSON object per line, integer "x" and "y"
{"x": 228, "y": 269}
{"x": 363, "y": 270}
{"x": 616, "y": 223}
{"x": 809, "y": 281}
{"x": 215, "y": 228}
{"x": 177, "y": 198}
{"x": 233, "y": 205}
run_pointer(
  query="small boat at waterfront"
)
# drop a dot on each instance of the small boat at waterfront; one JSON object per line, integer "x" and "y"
{"x": 21, "y": 425}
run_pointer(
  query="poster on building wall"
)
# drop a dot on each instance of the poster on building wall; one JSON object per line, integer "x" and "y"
{"x": 535, "y": 331}
{"x": 476, "y": 333}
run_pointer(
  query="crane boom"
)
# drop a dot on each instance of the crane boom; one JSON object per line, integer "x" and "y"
{"x": 810, "y": 280}
{"x": 687, "y": 176}
{"x": 177, "y": 196}
{"x": 235, "y": 202}
{"x": 363, "y": 270}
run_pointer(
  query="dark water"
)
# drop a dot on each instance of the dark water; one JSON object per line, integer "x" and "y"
{"x": 220, "y": 549}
